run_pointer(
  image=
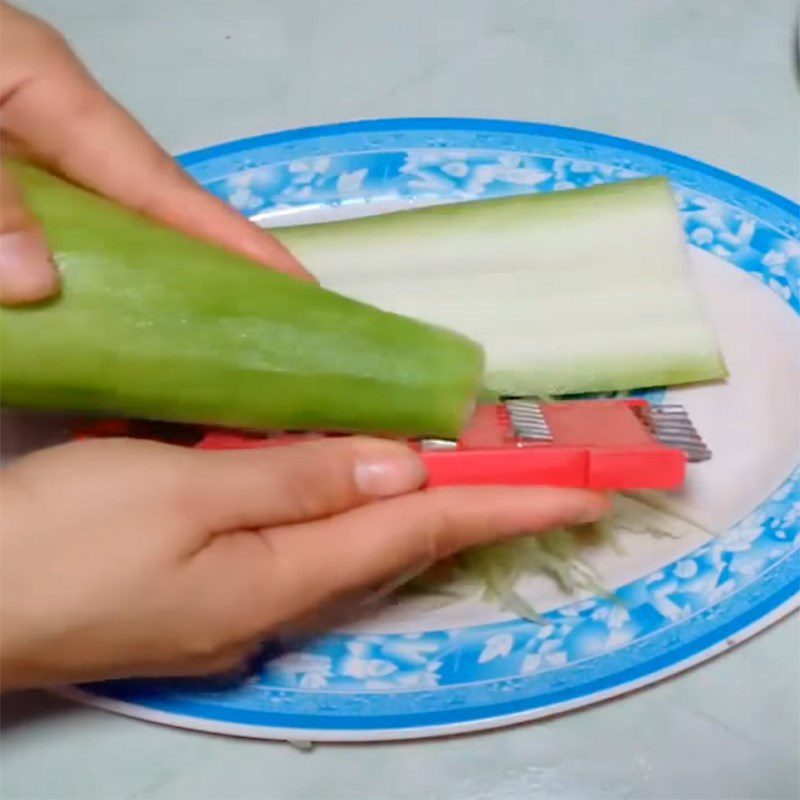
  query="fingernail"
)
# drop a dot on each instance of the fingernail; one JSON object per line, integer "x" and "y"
{"x": 27, "y": 272}
{"x": 389, "y": 474}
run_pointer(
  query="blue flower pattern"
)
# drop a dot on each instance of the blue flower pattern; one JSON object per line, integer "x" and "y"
{"x": 582, "y": 648}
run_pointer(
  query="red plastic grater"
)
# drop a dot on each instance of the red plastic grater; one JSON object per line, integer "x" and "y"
{"x": 599, "y": 444}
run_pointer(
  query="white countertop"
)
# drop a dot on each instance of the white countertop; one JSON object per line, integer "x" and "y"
{"x": 711, "y": 79}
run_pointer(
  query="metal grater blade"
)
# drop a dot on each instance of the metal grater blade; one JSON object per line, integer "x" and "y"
{"x": 431, "y": 445}
{"x": 671, "y": 425}
{"x": 527, "y": 420}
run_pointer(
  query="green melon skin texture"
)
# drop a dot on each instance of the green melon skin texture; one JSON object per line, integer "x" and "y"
{"x": 154, "y": 324}
{"x": 569, "y": 292}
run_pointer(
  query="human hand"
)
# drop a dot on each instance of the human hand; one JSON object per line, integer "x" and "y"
{"x": 56, "y": 114}
{"x": 132, "y": 558}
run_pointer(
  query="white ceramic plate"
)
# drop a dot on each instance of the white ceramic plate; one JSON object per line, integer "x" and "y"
{"x": 414, "y": 670}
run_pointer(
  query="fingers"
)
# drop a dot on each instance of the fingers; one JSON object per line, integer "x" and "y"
{"x": 56, "y": 112}
{"x": 301, "y": 566}
{"x": 282, "y": 485}
{"x": 230, "y": 662}
{"x": 27, "y": 273}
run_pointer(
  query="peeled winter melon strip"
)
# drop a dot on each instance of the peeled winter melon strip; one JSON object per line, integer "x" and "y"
{"x": 576, "y": 291}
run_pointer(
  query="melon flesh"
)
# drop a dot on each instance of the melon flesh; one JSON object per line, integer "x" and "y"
{"x": 569, "y": 292}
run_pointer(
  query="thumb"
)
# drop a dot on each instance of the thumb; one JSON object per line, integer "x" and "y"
{"x": 27, "y": 272}
{"x": 261, "y": 488}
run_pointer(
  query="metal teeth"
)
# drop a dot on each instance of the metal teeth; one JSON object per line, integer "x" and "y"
{"x": 528, "y": 421}
{"x": 670, "y": 424}
{"x": 429, "y": 445}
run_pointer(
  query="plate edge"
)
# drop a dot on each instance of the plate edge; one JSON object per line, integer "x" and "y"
{"x": 779, "y": 613}
{"x": 488, "y": 124}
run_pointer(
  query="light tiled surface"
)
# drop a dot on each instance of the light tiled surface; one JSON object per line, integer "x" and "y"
{"x": 713, "y": 80}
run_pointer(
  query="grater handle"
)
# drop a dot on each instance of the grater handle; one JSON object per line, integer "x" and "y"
{"x": 657, "y": 468}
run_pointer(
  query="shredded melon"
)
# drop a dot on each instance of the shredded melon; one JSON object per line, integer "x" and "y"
{"x": 493, "y": 572}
